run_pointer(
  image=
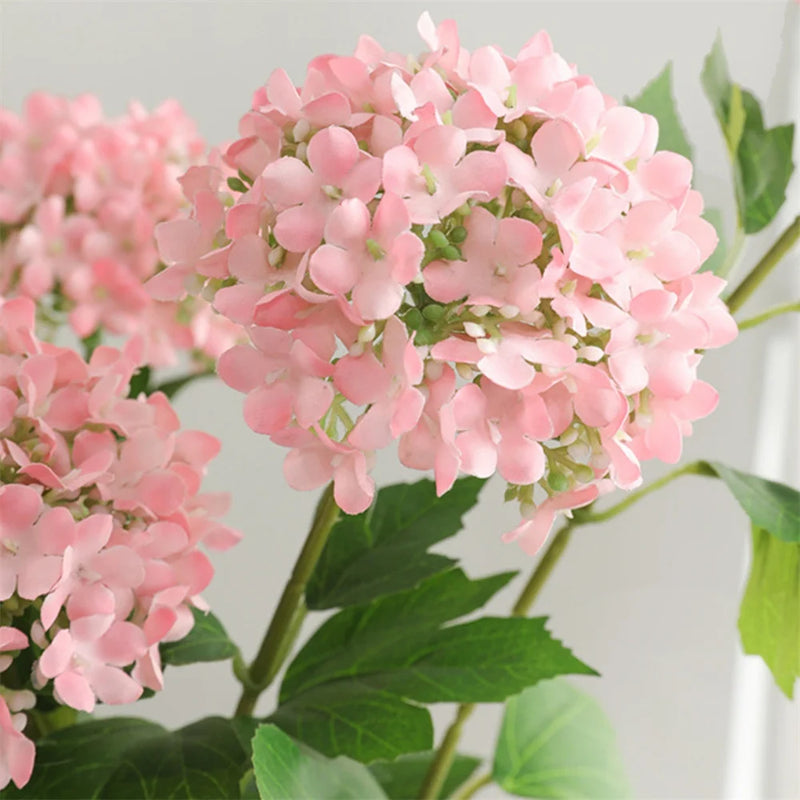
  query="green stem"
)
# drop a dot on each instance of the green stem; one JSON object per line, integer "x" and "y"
{"x": 443, "y": 760}
{"x": 543, "y": 569}
{"x": 769, "y": 261}
{"x": 786, "y": 308}
{"x": 291, "y": 610}
{"x": 473, "y": 786}
{"x": 583, "y": 516}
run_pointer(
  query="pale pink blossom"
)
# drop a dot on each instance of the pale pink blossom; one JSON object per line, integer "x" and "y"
{"x": 479, "y": 256}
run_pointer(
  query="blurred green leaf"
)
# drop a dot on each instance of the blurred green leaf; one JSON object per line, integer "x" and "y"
{"x": 761, "y": 158}
{"x": 285, "y": 770}
{"x": 557, "y": 742}
{"x": 769, "y": 619}
{"x": 772, "y": 506}
{"x": 657, "y": 99}
{"x": 716, "y": 260}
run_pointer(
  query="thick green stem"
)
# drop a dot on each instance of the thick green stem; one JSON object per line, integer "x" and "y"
{"x": 775, "y": 311}
{"x": 291, "y": 610}
{"x": 543, "y": 569}
{"x": 443, "y": 760}
{"x": 473, "y": 786}
{"x": 770, "y": 260}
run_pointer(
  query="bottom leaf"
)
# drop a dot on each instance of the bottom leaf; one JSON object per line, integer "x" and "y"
{"x": 557, "y": 742}
{"x": 284, "y": 770}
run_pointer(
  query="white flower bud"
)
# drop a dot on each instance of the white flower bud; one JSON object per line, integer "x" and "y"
{"x": 474, "y": 330}
{"x": 301, "y": 130}
{"x": 367, "y": 333}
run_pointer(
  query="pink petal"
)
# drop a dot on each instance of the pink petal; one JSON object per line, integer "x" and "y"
{"x": 333, "y": 270}
{"x": 268, "y": 409}
{"x": 332, "y": 153}
{"x": 288, "y": 182}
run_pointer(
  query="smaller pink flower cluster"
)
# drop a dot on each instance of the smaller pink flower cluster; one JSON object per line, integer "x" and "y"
{"x": 80, "y": 196}
{"x": 480, "y": 257}
{"x": 100, "y": 523}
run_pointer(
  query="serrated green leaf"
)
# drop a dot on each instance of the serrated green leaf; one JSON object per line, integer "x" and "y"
{"x": 203, "y": 760}
{"x": 402, "y": 778}
{"x": 384, "y": 550}
{"x": 772, "y": 506}
{"x": 556, "y": 742}
{"x": 385, "y": 633}
{"x": 93, "y": 750}
{"x": 769, "y": 618}
{"x": 483, "y": 661}
{"x": 284, "y": 770}
{"x": 207, "y": 641}
{"x": 657, "y": 99}
{"x": 350, "y": 718}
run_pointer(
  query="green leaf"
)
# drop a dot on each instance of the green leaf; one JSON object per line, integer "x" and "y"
{"x": 483, "y": 661}
{"x": 556, "y": 741}
{"x": 720, "y": 92}
{"x": 402, "y": 778}
{"x": 772, "y": 506}
{"x": 765, "y": 159}
{"x": 92, "y": 751}
{"x": 384, "y": 634}
{"x": 140, "y": 381}
{"x": 284, "y": 770}
{"x": 384, "y": 550}
{"x": 207, "y": 641}
{"x": 350, "y": 718}
{"x": 657, "y": 99}
{"x": 716, "y": 260}
{"x": 769, "y": 618}
{"x": 761, "y": 158}
{"x": 204, "y": 760}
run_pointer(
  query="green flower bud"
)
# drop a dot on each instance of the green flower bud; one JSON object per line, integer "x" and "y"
{"x": 458, "y": 235}
{"x": 437, "y": 237}
{"x": 433, "y": 312}
{"x": 558, "y": 482}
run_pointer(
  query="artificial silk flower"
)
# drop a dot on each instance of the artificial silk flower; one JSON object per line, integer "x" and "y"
{"x": 101, "y": 525}
{"x": 481, "y": 257}
{"x": 80, "y": 195}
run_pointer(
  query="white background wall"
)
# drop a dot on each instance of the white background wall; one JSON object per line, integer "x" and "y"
{"x": 650, "y": 599}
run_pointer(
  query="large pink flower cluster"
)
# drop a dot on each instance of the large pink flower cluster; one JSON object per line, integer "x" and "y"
{"x": 80, "y": 196}
{"x": 100, "y": 523}
{"x": 481, "y": 257}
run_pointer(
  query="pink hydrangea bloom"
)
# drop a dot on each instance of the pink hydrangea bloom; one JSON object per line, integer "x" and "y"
{"x": 80, "y": 196}
{"x": 478, "y": 256}
{"x": 101, "y": 524}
